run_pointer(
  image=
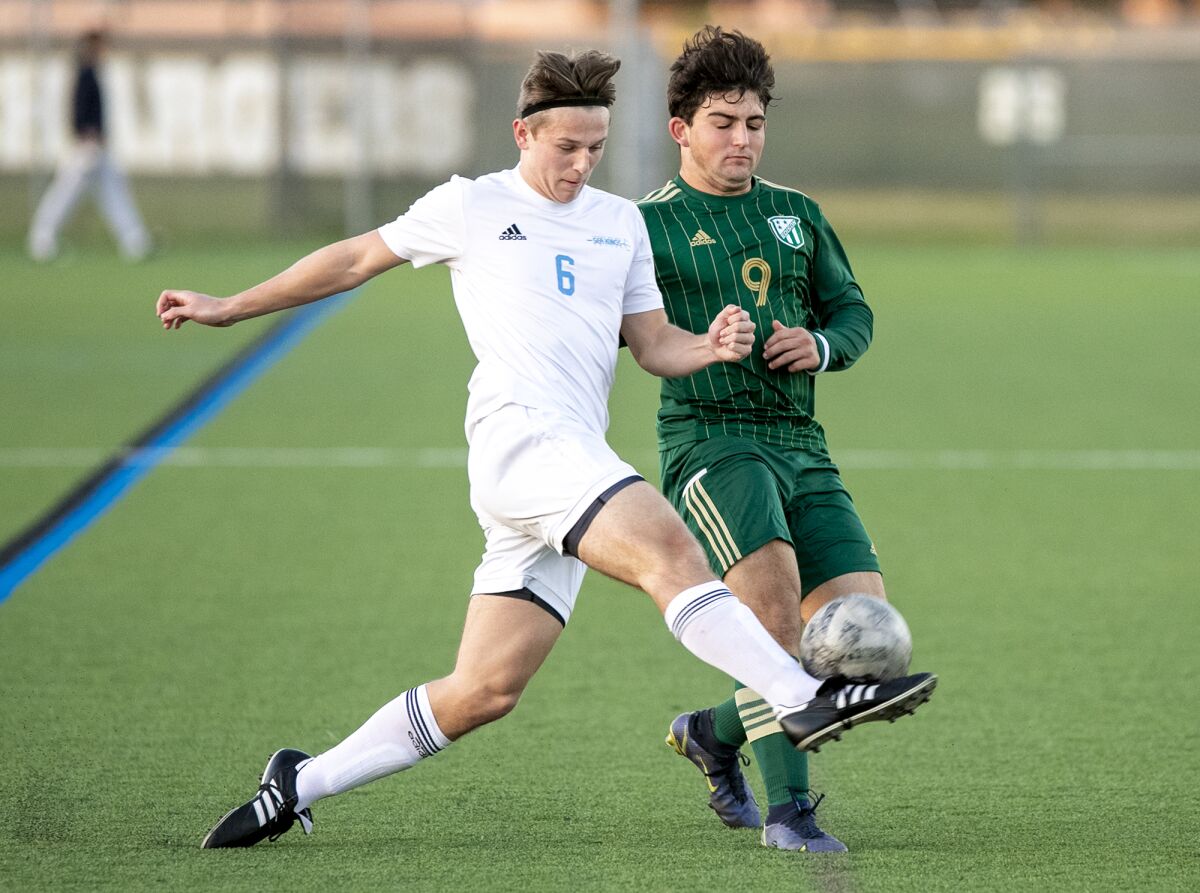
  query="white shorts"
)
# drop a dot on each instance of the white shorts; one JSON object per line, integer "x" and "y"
{"x": 533, "y": 476}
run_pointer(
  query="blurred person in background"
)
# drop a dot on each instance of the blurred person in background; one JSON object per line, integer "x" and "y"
{"x": 88, "y": 167}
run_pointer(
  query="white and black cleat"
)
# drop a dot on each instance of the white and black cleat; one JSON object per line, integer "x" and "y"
{"x": 840, "y": 705}
{"x": 270, "y": 813}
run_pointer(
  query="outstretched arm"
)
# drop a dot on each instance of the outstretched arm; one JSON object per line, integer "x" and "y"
{"x": 327, "y": 271}
{"x": 670, "y": 352}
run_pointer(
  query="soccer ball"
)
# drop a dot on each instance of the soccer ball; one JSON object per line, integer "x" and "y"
{"x": 861, "y": 638}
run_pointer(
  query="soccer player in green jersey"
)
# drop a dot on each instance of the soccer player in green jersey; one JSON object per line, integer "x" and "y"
{"x": 743, "y": 459}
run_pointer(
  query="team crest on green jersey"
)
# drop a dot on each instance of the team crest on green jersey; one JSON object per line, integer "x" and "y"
{"x": 787, "y": 230}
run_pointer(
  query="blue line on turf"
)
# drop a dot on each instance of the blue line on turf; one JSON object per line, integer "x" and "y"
{"x": 137, "y": 463}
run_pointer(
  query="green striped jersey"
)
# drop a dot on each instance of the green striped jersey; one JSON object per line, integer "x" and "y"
{"x": 772, "y": 252}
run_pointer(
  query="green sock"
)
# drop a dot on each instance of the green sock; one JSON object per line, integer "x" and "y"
{"x": 783, "y": 768}
{"x": 727, "y": 724}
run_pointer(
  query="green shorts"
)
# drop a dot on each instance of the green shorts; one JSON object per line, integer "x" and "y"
{"x": 737, "y": 495}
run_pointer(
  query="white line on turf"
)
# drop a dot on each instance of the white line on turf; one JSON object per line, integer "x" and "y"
{"x": 241, "y": 457}
{"x": 1030, "y": 460}
{"x": 456, "y": 457}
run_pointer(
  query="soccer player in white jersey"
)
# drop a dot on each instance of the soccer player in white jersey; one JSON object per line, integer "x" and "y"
{"x": 548, "y": 275}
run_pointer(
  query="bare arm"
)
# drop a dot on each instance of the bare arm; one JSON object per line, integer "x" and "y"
{"x": 327, "y": 271}
{"x": 670, "y": 352}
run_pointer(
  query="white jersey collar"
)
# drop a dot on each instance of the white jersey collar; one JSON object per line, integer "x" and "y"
{"x": 549, "y": 204}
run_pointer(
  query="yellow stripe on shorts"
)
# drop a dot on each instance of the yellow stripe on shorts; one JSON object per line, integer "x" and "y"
{"x": 710, "y": 522}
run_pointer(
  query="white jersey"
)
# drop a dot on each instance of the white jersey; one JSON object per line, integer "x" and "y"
{"x": 541, "y": 287}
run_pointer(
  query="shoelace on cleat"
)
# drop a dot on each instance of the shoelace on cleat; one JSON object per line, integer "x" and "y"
{"x": 274, "y": 809}
{"x": 804, "y": 822}
{"x": 287, "y": 815}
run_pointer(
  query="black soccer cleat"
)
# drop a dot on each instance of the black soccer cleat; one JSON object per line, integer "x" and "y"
{"x": 839, "y": 705}
{"x": 728, "y": 794}
{"x": 270, "y": 813}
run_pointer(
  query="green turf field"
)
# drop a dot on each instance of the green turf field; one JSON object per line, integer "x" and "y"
{"x": 1023, "y": 441}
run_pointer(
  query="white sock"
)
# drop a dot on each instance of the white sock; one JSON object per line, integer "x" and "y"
{"x": 712, "y": 624}
{"x": 400, "y": 734}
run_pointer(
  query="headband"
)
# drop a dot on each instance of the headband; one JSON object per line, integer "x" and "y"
{"x": 560, "y": 103}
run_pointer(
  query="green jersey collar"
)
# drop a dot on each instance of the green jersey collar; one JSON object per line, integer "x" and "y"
{"x": 717, "y": 202}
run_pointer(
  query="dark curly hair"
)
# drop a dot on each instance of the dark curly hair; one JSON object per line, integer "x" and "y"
{"x": 715, "y": 62}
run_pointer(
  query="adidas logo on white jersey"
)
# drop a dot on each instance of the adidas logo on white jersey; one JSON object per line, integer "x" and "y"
{"x": 702, "y": 238}
{"x": 512, "y": 234}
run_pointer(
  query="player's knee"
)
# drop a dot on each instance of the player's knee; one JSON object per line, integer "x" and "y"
{"x": 496, "y": 703}
{"x": 480, "y": 700}
{"x": 680, "y": 549}
{"x": 493, "y": 699}
{"x": 785, "y": 628}
{"x": 676, "y": 559}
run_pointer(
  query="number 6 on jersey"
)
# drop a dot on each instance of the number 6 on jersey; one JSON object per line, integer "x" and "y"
{"x": 566, "y": 279}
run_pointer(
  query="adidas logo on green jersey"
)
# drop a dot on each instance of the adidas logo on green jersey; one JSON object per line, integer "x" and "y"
{"x": 702, "y": 238}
